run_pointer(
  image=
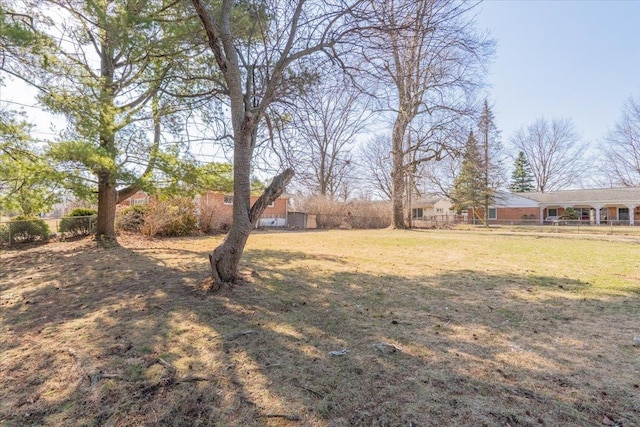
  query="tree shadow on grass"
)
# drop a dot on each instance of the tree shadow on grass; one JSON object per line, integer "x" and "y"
{"x": 129, "y": 337}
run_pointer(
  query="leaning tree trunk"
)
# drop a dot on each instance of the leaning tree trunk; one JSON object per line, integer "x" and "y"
{"x": 226, "y": 257}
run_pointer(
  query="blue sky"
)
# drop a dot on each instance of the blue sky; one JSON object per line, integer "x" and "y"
{"x": 571, "y": 59}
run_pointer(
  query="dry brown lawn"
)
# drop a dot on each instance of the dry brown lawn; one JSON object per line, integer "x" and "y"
{"x": 456, "y": 328}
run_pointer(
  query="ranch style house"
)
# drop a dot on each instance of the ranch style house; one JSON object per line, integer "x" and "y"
{"x": 614, "y": 206}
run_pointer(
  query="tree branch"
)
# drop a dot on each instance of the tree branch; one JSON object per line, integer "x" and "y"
{"x": 270, "y": 194}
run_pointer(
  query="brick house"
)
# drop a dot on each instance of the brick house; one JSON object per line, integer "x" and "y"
{"x": 508, "y": 207}
{"x": 620, "y": 206}
{"x": 274, "y": 215}
{"x": 593, "y": 206}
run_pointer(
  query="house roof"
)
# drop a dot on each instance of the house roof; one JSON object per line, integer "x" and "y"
{"x": 511, "y": 200}
{"x": 600, "y": 196}
{"x": 427, "y": 201}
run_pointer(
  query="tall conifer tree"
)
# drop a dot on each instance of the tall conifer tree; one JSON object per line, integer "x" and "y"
{"x": 522, "y": 180}
{"x": 469, "y": 190}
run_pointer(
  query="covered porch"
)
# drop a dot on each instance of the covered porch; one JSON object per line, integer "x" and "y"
{"x": 612, "y": 206}
{"x": 591, "y": 215}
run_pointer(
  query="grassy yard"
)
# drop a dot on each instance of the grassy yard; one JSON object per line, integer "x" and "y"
{"x": 459, "y": 328}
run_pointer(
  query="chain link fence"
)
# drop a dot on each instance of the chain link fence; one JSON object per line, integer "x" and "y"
{"x": 613, "y": 228}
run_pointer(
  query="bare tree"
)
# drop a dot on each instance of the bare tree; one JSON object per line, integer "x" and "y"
{"x": 621, "y": 147}
{"x": 437, "y": 178}
{"x": 326, "y": 122}
{"x": 375, "y": 166}
{"x": 554, "y": 150}
{"x": 429, "y": 54}
{"x": 260, "y": 64}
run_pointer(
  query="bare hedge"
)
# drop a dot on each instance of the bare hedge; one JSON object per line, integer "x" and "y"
{"x": 354, "y": 214}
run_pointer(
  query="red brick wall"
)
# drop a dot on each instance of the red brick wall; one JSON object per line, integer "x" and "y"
{"x": 140, "y": 195}
{"x": 511, "y": 214}
{"x": 217, "y": 199}
{"x": 279, "y": 208}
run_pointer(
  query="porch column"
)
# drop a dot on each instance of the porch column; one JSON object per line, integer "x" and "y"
{"x": 597, "y": 208}
{"x": 541, "y": 215}
{"x": 632, "y": 213}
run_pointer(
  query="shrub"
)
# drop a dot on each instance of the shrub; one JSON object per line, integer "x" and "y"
{"x": 570, "y": 214}
{"x": 83, "y": 212}
{"x": 329, "y": 213}
{"x": 174, "y": 217}
{"x": 80, "y": 222}
{"x": 182, "y": 218}
{"x": 368, "y": 214}
{"x": 155, "y": 217}
{"x": 212, "y": 218}
{"x": 27, "y": 229}
{"x": 132, "y": 218}
{"x": 355, "y": 214}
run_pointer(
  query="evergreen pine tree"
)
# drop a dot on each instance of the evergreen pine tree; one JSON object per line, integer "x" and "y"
{"x": 522, "y": 180}
{"x": 469, "y": 189}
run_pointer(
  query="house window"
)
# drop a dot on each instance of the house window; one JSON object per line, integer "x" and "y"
{"x": 623, "y": 214}
{"x": 552, "y": 212}
{"x": 493, "y": 213}
{"x": 417, "y": 213}
{"x": 439, "y": 210}
{"x": 272, "y": 204}
{"x": 228, "y": 199}
{"x": 139, "y": 201}
{"x": 584, "y": 214}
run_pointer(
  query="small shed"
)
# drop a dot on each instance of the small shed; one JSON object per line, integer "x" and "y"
{"x": 301, "y": 220}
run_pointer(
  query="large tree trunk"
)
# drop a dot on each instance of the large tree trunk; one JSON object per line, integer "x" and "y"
{"x": 398, "y": 172}
{"x": 107, "y": 194}
{"x": 226, "y": 257}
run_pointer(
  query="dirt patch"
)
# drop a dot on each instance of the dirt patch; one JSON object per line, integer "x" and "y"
{"x": 326, "y": 329}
